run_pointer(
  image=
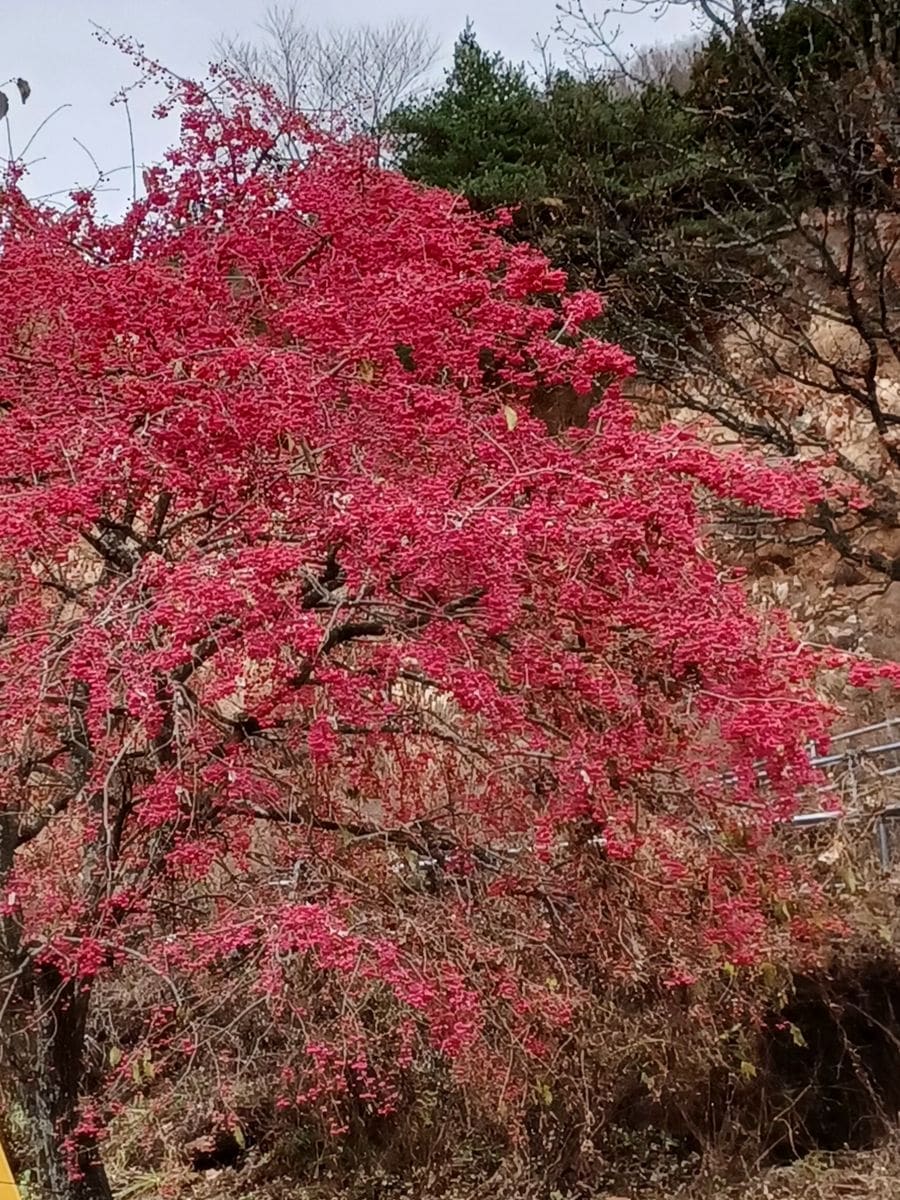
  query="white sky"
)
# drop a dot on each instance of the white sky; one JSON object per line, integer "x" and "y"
{"x": 51, "y": 44}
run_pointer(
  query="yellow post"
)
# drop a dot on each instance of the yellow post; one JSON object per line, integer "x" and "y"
{"x": 8, "y": 1189}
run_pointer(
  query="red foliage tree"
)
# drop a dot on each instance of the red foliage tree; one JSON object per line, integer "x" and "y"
{"x": 296, "y": 590}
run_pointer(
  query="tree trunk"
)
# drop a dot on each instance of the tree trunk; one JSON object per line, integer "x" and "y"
{"x": 50, "y": 1073}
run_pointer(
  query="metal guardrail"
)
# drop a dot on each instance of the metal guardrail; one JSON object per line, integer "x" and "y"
{"x": 857, "y": 768}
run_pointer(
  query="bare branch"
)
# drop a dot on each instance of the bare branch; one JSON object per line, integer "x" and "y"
{"x": 343, "y": 78}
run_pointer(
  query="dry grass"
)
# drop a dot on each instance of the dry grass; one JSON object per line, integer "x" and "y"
{"x": 862, "y": 1175}
{"x": 858, "y": 1175}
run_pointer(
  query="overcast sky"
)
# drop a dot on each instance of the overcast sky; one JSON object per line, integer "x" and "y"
{"x": 51, "y": 44}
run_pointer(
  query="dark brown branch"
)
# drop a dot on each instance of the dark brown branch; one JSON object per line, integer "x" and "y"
{"x": 351, "y": 631}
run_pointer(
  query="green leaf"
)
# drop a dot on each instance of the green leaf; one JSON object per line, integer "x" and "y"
{"x": 512, "y": 417}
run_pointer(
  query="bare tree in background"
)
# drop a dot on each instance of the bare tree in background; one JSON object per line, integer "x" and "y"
{"x": 668, "y": 65}
{"x": 345, "y": 78}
